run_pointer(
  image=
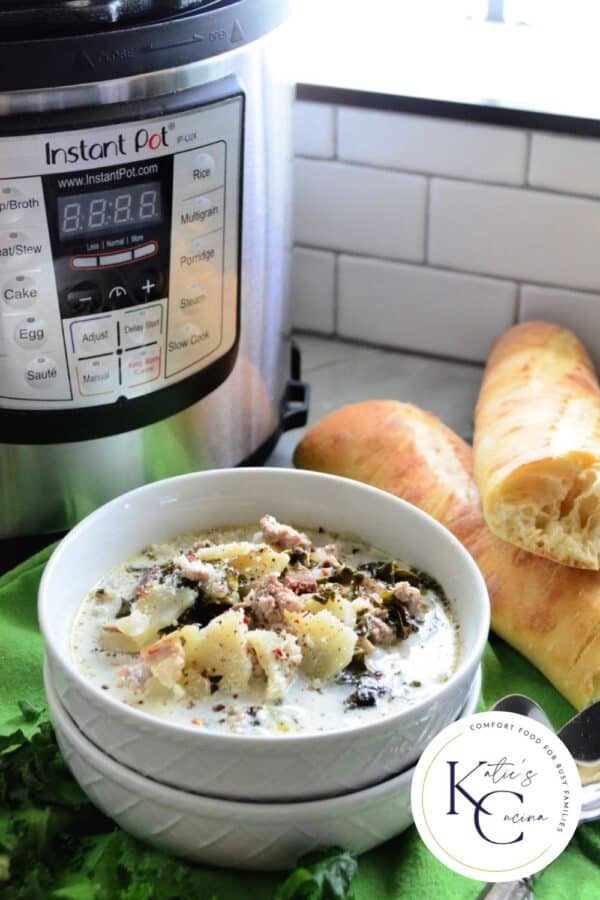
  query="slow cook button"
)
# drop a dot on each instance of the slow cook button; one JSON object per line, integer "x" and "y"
{"x": 90, "y": 337}
{"x": 141, "y": 326}
{"x": 20, "y": 292}
{"x": 98, "y": 376}
{"x": 141, "y": 366}
{"x": 31, "y": 332}
{"x": 41, "y": 373}
{"x": 188, "y": 344}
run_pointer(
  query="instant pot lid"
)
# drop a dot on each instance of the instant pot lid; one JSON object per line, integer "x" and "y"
{"x": 43, "y": 18}
{"x": 60, "y": 43}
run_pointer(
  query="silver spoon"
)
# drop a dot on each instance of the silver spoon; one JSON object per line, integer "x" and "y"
{"x": 581, "y": 736}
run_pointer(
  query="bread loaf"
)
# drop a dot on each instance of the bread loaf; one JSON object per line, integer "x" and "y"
{"x": 549, "y": 612}
{"x": 537, "y": 444}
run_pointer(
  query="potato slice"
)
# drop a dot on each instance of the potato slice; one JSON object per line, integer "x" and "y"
{"x": 160, "y": 606}
{"x": 327, "y": 644}
{"x": 220, "y": 649}
{"x": 278, "y": 656}
{"x": 339, "y": 607}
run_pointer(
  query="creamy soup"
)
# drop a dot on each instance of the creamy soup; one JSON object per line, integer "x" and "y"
{"x": 266, "y": 631}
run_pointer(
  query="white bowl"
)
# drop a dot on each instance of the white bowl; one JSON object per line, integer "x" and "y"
{"x": 279, "y": 767}
{"x": 257, "y": 836}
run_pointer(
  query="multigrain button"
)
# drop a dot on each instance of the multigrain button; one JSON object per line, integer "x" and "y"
{"x": 20, "y": 292}
{"x": 203, "y": 213}
{"x": 98, "y": 376}
{"x": 41, "y": 373}
{"x": 31, "y": 332}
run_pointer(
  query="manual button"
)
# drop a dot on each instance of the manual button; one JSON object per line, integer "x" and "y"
{"x": 98, "y": 376}
{"x": 91, "y": 337}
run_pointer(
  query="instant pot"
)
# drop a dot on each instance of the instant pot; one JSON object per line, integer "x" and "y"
{"x": 145, "y": 167}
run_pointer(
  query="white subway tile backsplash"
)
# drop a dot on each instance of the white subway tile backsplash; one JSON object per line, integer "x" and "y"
{"x": 421, "y": 309}
{"x": 577, "y": 311}
{"x": 314, "y": 129}
{"x": 432, "y": 145}
{"x": 569, "y": 164}
{"x": 518, "y": 234}
{"x": 313, "y": 290}
{"x": 360, "y": 210}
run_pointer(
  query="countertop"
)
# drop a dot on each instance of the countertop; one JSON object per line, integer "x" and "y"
{"x": 340, "y": 372}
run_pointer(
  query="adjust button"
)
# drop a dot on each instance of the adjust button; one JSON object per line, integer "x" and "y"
{"x": 20, "y": 292}
{"x": 31, "y": 332}
{"x": 82, "y": 299}
{"x": 41, "y": 373}
{"x": 90, "y": 337}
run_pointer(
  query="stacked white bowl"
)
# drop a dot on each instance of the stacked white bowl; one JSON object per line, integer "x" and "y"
{"x": 254, "y": 802}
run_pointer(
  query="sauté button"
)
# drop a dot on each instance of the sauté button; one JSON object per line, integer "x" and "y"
{"x": 20, "y": 291}
{"x": 41, "y": 373}
{"x": 82, "y": 299}
{"x": 98, "y": 376}
{"x": 31, "y": 332}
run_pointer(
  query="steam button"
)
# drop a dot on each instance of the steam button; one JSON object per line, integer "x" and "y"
{"x": 41, "y": 373}
{"x": 31, "y": 332}
{"x": 20, "y": 292}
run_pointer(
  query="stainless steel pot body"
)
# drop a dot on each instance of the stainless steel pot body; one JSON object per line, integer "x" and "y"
{"x": 47, "y": 487}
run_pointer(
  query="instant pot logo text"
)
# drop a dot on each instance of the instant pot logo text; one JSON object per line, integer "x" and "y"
{"x": 116, "y": 148}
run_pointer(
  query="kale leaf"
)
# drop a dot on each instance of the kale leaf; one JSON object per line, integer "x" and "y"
{"x": 324, "y": 875}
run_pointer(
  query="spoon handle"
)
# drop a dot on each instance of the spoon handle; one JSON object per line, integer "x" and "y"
{"x": 507, "y": 890}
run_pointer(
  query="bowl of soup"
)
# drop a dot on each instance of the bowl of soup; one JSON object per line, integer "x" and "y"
{"x": 262, "y": 634}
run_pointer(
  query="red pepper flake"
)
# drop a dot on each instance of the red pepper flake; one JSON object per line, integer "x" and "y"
{"x": 219, "y": 707}
{"x": 278, "y": 652}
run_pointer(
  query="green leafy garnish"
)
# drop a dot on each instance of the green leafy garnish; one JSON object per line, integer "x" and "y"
{"x": 325, "y": 875}
{"x": 29, "y": 712}
{"x": 55, "y": 845}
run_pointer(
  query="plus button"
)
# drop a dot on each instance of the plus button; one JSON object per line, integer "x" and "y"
{"x": 148, "y": 286}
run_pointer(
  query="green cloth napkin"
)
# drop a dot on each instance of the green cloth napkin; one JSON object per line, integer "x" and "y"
{"x": 402, "y": 868}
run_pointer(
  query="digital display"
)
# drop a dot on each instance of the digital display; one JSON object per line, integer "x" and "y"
{"x": 85, "y": 215}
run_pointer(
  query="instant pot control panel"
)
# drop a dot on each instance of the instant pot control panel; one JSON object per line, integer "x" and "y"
{"x": 119, "y": 260}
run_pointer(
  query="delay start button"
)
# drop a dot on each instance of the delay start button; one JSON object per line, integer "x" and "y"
{"x": 20, "y": 291}
{"x": 41, "y": 373}
{"x": 31, "y": 332}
